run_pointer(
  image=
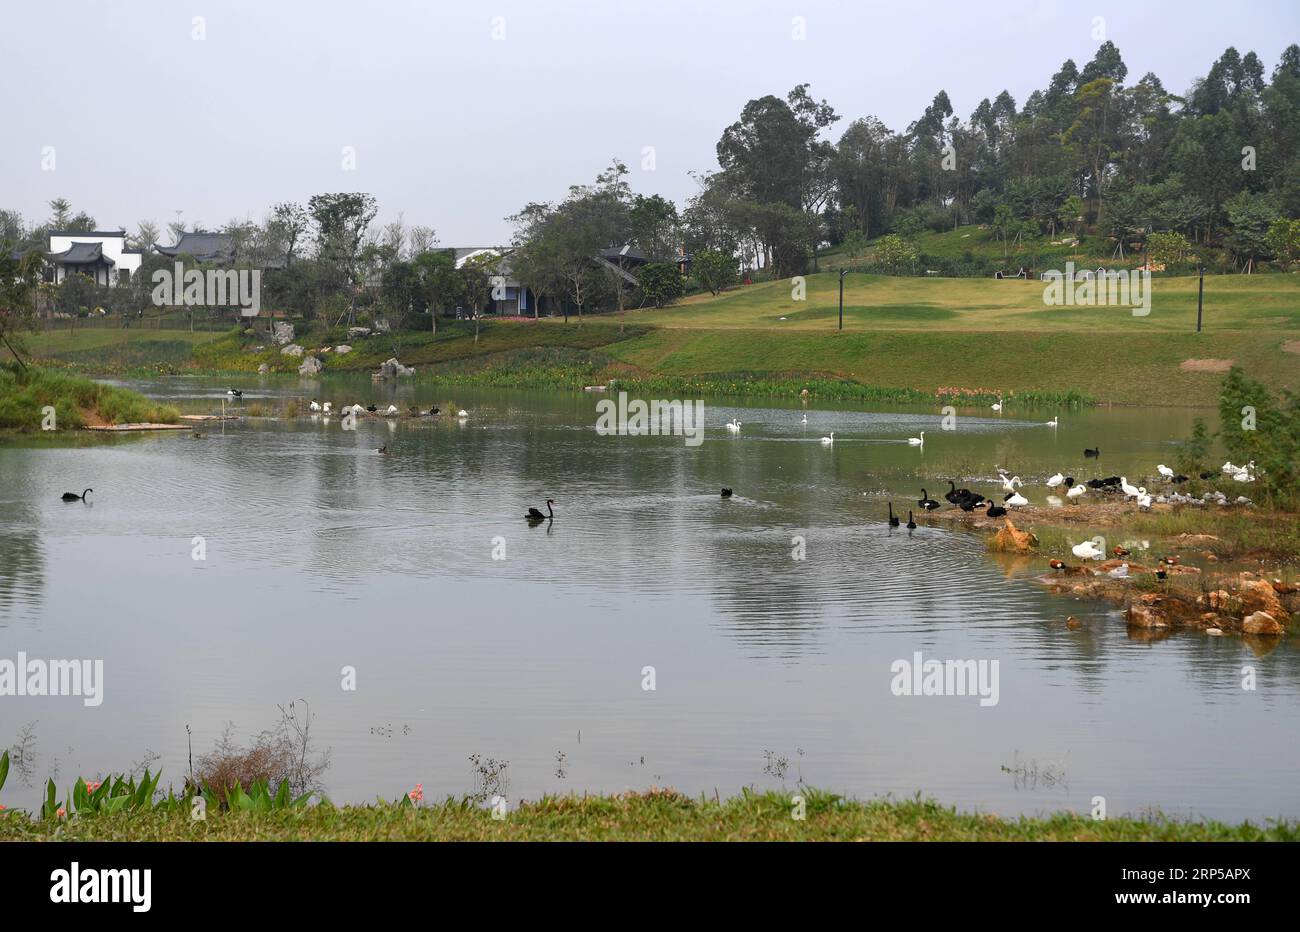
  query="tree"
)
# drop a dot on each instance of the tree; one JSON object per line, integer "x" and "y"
{"x": 341, "y": 223}
{"x": 895, "y": 253}
{"x": 1251, "y": 216}
{"x": 145, "y": 236}
{"x": 286, "y": 227}
{"x": 476, "y": 274}
{"x": 660, "y": 282}
{"x": 713, "y": 270}
{"x": 19, "y": 279}
{"x": 1167, "y": 248}
{"x": 1283, "y": 239}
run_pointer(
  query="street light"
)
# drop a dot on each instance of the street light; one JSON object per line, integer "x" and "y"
{"x": 1200, "y": 299}
{"x": 843, "y": 272}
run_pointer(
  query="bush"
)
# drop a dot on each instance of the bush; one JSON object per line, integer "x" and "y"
{"x": 1254, "y": 426}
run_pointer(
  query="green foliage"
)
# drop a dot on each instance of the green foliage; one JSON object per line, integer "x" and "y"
{"x": 896, "y": 253}
{"x": 24, "y": 392}
{"x": 1255, "y": 426}
{"x": 713, "y": 270}
{"x": 1193, "y": 453}
{"x": 1283, "y": 241}
{"x": 1168, "y": 248}
{"x": 660, "y": 282}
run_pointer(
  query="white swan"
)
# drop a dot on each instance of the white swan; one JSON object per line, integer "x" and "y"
{"x": 1086, "y": 551}
{"x": 326, "y": 407}
{"x": 392, "y": 409}
{"x": 829, "y": 440}
{"x": 462, "y": 413}
{"x": 804, "y": 421}
{"x": 1076, "y": 491}
{"x": 1053, "y": 422}
{"x": 1130, "y": 491}
{"x": 917, "y": 441}
{"x": 1011, "y": 484}
{"x": 1144, "y": 502}
{"x": 1165, "y": 471}
{"x": 315, "y": 405}
{"x": 733, "y": 425}
{"x": 1055, "y": 480}
{"x": 1017, "y": 500}
{"x": 1119, "y": 572}
{"x": 998, "y": 406}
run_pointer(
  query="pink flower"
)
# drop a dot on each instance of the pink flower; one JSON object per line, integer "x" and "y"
{"x": 91, "y": 787}
{"x": 61, "y": 813}
{"x": 417, "y": 795}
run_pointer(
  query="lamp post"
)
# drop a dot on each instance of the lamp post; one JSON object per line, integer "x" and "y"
{"x": 843, "y": 272}
{"x": 1200, "y": 299}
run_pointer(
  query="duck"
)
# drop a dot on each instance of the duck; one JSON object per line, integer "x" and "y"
{"x": 726, "y": 493}
{"x": 1170, "y": 561}
{"x": 1165, "y": 471}
{"x": 911, "y": 524}
{"x": 383, "y": 449}
{"x": 893, "y": 521}
{"x": 535, "y": 515}
{"x": 1094, "y": 452}
{"x": 1075, "y": 492}
{"x": 926, "y": 502}
{"x": 1058, "y": 565}
{"x": 1120, "y": 551}
{"x": 996, "y": 511}
{"x": 827, "y": 441}
{"x": 1086, "y": 551}
{"x": 917, "y": 441}
{"x": 1055, "y": 480}
{"x": 1119, "y": 572}
{"x": 74, "y": 497}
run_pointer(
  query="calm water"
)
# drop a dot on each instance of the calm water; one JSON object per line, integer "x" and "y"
{"x": 323, "y": 554}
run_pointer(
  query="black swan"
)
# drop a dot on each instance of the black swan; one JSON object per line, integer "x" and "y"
{"x": 74, "y": 497}
{"x": 996, "y": 511}
{"x": 893, "y": 521}
{"x": 926, "y": 502}
{"x": 1087, "y": 452}
{"x": 535, "y": 515}
{"x": 726, "y": 493}
{"x": 911, "y": 525}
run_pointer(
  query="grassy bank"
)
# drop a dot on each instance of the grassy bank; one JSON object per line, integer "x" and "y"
{"x": 77, "y": 402}
{"x": 652, "y": 816}
{"x": 905, "y": 339}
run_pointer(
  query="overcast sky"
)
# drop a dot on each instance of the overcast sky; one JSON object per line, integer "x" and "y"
{"x": 456, "y": 129}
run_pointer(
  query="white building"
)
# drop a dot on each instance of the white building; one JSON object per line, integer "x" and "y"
{"x": 101, "y": 256}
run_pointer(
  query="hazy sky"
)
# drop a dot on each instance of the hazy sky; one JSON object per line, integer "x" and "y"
{"x": 457, "y": 129}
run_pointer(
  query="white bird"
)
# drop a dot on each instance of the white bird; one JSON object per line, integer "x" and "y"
{"x": 917, "y": 441}
{"x": 462, "y": 413}
{"x": 1055, "y": 480}
{"x": 1129, "y": 491}
{"x": 1144, "y": 502}
{"x": 1053, "y": 422}
{"x": 326, "y": 407}
{"x": 1054, "y": 501}
{"x": 1086, "y": 551}
{"x": 1119, "y": 572}
{"x": 829, "y": 440}
{"x": 1243, "y": 476}
{"x": 1010, "y": 485}
{"x": 733, "y": 425}
{"x": 1228, "y": 469}
{"x": 805, "y": 420}
{"x": 1076, "y": 491}
{"x": 998, "y": 406}
{"x": 1165, "y": 471}
{"x": 1017, "y": 500}
{"x": 315, "y": 405}
{"x": 392, "y": 409}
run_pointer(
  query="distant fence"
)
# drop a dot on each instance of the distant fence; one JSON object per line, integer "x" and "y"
{"x": 132, "y": 322}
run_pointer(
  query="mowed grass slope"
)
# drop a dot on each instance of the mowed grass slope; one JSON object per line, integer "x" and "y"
{"x": 900, "y": 333}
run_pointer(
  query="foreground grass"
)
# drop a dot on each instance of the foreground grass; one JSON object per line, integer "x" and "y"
{"x": 77, "y": 402}
{"x": 654, "y": 816}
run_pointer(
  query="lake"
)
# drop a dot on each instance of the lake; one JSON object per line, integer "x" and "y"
{"x": 322, "y": 554}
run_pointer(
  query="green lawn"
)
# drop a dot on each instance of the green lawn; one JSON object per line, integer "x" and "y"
{"x": 653, "y": 816}
{"x": 900, "y": 333}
